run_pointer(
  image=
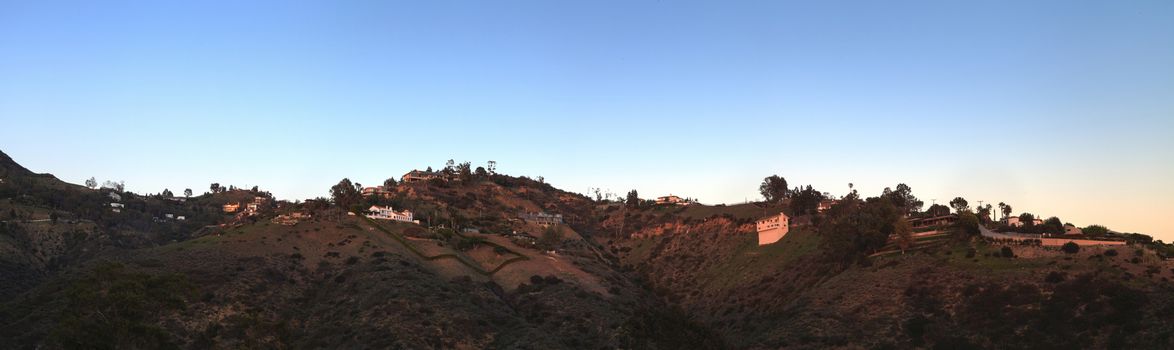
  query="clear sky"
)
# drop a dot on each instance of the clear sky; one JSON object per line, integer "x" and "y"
{"x": 1061, "y": 108}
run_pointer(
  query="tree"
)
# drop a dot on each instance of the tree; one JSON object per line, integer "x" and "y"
{"x": 344, "y": 194}
{"x": 121, "y": 186}
{"x": 167, "y": 193}
{"x": 806, "y": 201}
{"x": 1053, "y": 225}
{"x": 1006, "y": 210}
{"x": 1027, "y": 219}
{"x": 1070, "y": 248}
{"x": 633, "y": 200}
{"x": 464, "y": 171}
{"x": 215, "y": 187}
{"x": 959, "y": 204}
{"x": 389, "y": 183}
{"x": 450, "y": 167}
{"x": 481, "y": 172}
{"x": 984, "y": 213}
{"x": 968, "y": 224}
{"x": 773, "y": 188}
{"x": 1095, "y": 230}
{"x": 938, "y": 210}
{"x": 492, "y": 167}
{"x": 904, "y": 232}
{"x": 92, "y": 183}
{"x": 903, "y": 198}
{"x": 551, "y": 238}
{"x": 256, "y": 189}
{"x": 187, "y": 192}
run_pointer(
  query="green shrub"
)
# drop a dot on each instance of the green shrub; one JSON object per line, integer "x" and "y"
{"x": 1070, "y": 248}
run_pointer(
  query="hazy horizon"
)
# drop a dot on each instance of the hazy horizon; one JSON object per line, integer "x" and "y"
{"x": 1056, "y": 108}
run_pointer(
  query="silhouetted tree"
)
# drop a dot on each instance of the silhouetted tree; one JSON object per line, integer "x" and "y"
{"x": 959, "y": 204}
{"x": 1027, "y": 219}
{"x": 806, "y": 201}
{"x": 464, "y": 171}
{"x": 1095, "y": 230}
{"x": 166, "y": 193}
{"x": 187, "y": 192}
{"x": 389, "y": 183}
{"x": 92, "y": 183}
{"x": 344, "y": 194}
{"x": 215, "y": 187}
{"x": 938, "y": 210}
{"x": 481, "y": 172}
{"x": 773, "y": 188}
{"x": 633, "y": 200}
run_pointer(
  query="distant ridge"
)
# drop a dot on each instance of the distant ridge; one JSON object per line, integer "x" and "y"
{"x": 9, "y": 167}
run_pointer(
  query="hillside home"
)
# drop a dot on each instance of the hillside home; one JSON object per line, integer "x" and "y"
{"x": 252, "y": 207}
{"x": 377, "y": 190}
{"x": 671, "y": 199}
{"x": 416, "y": 176}
{"x": 826, "y": 204}
{"x": 114, "y": 196}
{"x": 231, "y": 207}
{"x": 772, "y": 228}
{"x": 1070, "y": 229}
{"x": 181, "y": 218}
{"x": 936, "y": 221}
{"x": 542, "y": 218}
{"x": 169, "y": 216}
{"x": 1013, "y": 221}
{"x": 389, "y": 213}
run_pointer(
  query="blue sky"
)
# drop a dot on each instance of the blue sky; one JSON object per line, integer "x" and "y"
{"x": 1059, "y": 108}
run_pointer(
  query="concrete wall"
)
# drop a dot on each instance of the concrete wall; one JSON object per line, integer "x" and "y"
{"x": 1049, "y": 242}
{"x": 772, "y": 235}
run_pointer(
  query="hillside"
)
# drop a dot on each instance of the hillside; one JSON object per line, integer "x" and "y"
{"x": 338, "y": 280}
{"x": 478, "y": 271}
{"x": 795, "y": 294}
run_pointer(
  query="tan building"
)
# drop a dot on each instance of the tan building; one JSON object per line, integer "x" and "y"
{"x": 231, "y": 207}
{"x": 1070, "y": 229}
{"x": 772, "y": 228}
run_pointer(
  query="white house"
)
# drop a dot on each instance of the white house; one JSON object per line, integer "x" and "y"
{"x": 389, "y": 213}
{"x": 671, "y": 199}
{"x": 772, "y": 228}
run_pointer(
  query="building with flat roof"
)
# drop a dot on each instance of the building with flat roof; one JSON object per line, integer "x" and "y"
{"x": 389, "y": 213}
{"x": 416, "y": 176}
{"x": 772, "y": 228}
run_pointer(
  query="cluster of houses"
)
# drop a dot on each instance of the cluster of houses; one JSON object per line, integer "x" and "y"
{"x": 251, "y": 208}
{"x": 290, "y": 219}
{"x": 542, "y": 218}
